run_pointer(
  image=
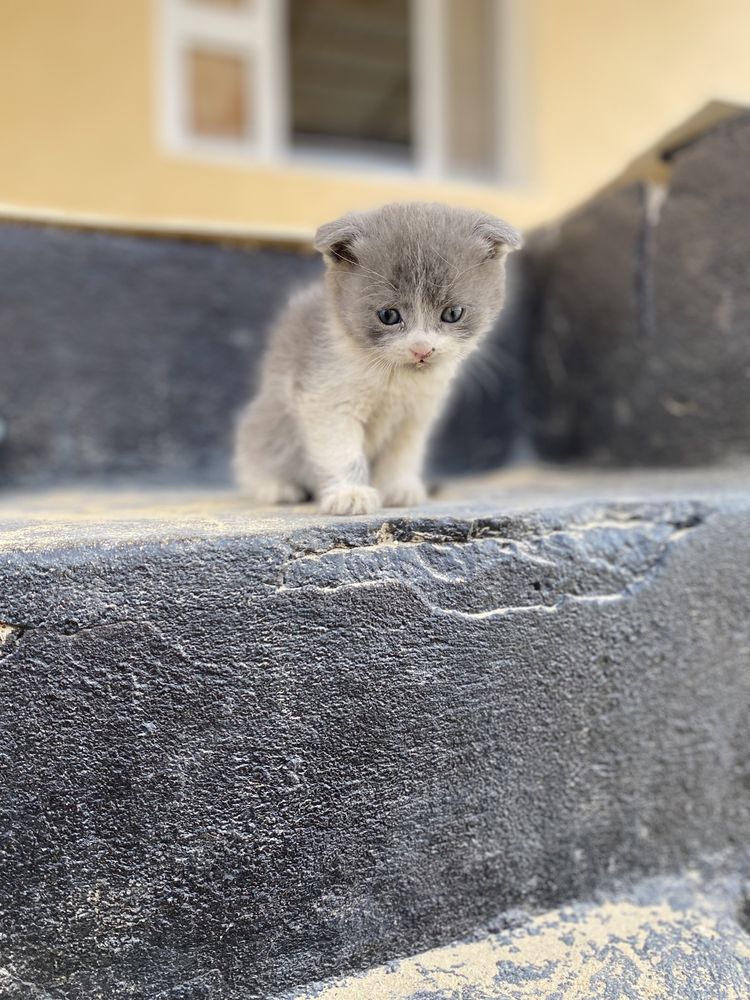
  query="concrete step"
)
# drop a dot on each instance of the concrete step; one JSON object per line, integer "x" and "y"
{"x": 246, "y": 750}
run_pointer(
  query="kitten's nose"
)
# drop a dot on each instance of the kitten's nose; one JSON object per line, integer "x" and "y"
{"x": 422, "y": 352}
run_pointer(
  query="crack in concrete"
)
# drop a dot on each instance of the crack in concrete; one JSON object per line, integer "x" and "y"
{"x": 405, "y": 532}
{"x": 680, "y": 527}
{"x": 566, "y": 600}
{"x": 516, "y": 538}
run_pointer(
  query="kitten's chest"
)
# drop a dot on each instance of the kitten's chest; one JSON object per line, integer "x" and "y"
{"x": 393, "y": 408}
{"x": 384, "y": 423}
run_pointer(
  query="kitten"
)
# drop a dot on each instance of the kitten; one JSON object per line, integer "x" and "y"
{"x": 358, "y": 366}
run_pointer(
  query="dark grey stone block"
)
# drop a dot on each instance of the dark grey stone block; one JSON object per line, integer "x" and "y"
{"x": 243, "y": 753}
{"x": 127, "y": 356}
{"x": 584, "y": 337}
{"x": 701, "y": 299}
{"x": 642, "y": 350}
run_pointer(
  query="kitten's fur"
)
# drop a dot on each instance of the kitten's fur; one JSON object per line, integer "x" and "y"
{"x": 344, "y": 408}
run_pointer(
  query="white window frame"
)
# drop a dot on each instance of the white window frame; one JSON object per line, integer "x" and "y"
{"x": 257, "y": 31}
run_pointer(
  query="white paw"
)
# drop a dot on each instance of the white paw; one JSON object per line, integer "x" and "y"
{"x": 350, "y": 500}
{"x": 267, "y": 491}
{"x": 410, "y": 493}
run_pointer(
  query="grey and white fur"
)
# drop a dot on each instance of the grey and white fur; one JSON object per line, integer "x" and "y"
{"x": 358, "y": 366}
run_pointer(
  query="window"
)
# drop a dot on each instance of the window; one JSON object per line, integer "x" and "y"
{"x": 423, "y": 85}
{"x": 350, "y": 75}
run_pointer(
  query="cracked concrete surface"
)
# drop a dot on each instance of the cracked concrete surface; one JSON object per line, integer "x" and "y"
{"x": 616, "y": 557}
{"x": 248, "y": 750}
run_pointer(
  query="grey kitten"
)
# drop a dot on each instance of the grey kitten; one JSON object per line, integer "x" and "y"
{"x": 358, "y": 366}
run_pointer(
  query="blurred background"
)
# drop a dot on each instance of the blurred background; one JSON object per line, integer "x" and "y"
{"x": 244, "y": 124}
{"x": 273, "y": 115}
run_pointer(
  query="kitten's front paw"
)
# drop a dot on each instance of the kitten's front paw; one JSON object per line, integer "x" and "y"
{"x": 410, "y": 493}
{"x": 350, "y": 500}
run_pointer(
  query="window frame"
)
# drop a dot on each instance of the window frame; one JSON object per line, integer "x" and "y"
{"x": 256, "y": 30}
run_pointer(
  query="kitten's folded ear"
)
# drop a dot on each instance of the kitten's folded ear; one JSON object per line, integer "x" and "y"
{"x": 335, "y": 240}
{"x": 501, "y": 237}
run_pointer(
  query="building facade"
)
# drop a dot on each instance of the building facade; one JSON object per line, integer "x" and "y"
{"x": 268, "y": 116}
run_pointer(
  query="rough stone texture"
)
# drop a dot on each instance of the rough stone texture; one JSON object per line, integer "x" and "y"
{"x": 241, "y": 753}
{"x": 665, "y": 940}
{"x": 128, "y": 356}
{"x": 640, "y": 348}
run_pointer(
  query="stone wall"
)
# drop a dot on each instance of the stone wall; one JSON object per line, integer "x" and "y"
{"x": 639, "y": 346}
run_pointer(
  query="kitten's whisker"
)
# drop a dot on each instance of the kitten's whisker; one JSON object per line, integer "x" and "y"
{"x": 466, "y": 270}
{"x": 369, "y": 270}
{"x": 374, "y": 284}
{"x": 378, "y": 363}
{"x": 444, "y": 259}
{"x": 485, "y": 372}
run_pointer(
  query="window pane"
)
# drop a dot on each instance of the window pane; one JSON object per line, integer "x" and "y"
{"x": 350, "y": 74}
{"x": 471, "y": 134}
{"x": 217, "y": 94}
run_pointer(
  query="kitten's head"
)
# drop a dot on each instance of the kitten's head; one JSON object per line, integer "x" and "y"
{"x": 416, "y": 284}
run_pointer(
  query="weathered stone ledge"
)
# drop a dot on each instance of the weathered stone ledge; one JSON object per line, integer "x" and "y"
{"x": 244, "y": 751}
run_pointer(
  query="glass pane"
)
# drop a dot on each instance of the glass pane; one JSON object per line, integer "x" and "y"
{"x": 471, "y": 134}
{"x": 350, "y": 75}
{"x": 217, "y": 94}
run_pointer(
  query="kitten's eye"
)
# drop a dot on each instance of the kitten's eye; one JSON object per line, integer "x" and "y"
{"x": 389, "y": 316}
{"x": 452, "y": 314}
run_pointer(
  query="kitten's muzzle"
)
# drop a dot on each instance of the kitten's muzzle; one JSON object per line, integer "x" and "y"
{"x": 421, "y": 352}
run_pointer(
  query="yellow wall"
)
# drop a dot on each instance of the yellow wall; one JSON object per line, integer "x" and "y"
{"x": 605, "y": 79}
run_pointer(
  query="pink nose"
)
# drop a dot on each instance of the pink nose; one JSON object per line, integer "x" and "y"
{"x": 421, "y": 353}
